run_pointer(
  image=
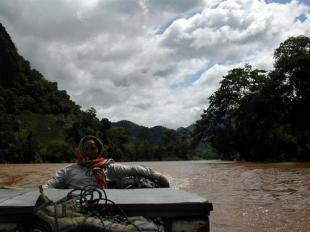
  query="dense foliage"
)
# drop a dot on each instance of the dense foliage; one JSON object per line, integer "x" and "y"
{"x": 39, "y": 123}
{"x": 260, "y": 116}
{"x": 33, "y": 112}
{"x": 254, "y": 115}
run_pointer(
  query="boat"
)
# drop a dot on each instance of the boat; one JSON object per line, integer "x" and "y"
{"x": 179, "y": 210}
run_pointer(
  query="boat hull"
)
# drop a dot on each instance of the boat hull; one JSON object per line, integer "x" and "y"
{"x": 179, "y": 210}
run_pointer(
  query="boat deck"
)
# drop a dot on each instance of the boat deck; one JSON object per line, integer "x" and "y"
{"x": 170, "y": 204}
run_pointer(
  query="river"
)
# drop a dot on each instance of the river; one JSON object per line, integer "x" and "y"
{"x": 245, "y": 196}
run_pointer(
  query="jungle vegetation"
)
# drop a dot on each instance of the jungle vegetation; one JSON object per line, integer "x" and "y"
{"x": 40, "y": 123}
{"x": 262, "y": 116}
{"x": 254, "y": 115}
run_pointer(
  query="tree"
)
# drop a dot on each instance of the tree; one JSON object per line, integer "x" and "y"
{"x": 255, "y": 116}
{"x": 117, "y": 138}
{"x": 56, "y": 151}
{"x": 104, "y": 126}
{"x": 292, "y": 73}
{"x": 218, "y": 124}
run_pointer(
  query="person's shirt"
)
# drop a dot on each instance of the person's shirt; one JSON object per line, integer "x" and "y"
{"x": 76, "y": 176}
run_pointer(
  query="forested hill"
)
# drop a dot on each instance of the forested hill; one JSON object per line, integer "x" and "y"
{"x": 24, "y": 88}
{"x": 39, "y": 123}
{"x": 154, "y": 135}
{"x": 34, "y": 113}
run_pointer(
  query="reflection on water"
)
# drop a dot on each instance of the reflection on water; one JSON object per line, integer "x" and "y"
{"x": 245, "y": 196}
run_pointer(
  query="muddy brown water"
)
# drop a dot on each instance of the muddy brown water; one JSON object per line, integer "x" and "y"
{"x": 245, "y": 196}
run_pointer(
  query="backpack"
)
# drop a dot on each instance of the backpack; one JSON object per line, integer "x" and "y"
{"x": 84, "y": 213}
{"x": 136, "y": 182}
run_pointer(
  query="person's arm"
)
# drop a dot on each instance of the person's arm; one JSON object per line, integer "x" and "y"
{"x": 119, "y": 171}
{"x": 57, "y": 181}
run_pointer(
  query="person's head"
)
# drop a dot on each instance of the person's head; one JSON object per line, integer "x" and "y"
{"x": 91, "y": 147}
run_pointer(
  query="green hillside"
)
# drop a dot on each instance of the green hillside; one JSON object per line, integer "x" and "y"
{"x": 154, "y": 135}
{"x": 40, "y": 123}
{"x": 37, "y": 120}
{"x": 164, "y": 144}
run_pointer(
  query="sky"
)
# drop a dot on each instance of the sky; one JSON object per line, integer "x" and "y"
{"x": 153, "y": 62}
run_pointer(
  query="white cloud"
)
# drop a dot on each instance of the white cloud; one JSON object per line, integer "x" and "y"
{"x": 111, "y": 55}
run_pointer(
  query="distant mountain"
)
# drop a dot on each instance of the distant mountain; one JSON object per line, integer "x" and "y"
{"x": 153, "y": 135}
{"x": 190, "y": 128}
{"x": 132, "y": 128}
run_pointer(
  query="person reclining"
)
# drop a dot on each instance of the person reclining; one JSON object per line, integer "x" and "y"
{"x": 92, "y": 168}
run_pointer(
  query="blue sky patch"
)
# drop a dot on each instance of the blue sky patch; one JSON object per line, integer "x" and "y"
{"x": 161, "y": 29}
{"x": 191, "y": 79}
{"x": 301, "y": 18}
{"x": 307, "y": 2}
{"x": 278, "y": 1}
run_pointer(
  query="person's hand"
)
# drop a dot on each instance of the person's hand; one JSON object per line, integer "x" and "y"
{"x": 163, "y": 182}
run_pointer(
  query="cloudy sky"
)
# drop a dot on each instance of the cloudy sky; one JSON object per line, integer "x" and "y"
{"x": 153, "y": 62}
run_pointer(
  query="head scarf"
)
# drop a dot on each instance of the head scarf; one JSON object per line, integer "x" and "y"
{"x": 96, "y": 164}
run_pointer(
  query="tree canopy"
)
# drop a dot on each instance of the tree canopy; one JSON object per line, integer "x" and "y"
{"x": 260, "y": 116}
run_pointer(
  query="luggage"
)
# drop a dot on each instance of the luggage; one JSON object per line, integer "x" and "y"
{"x": 85, "y": 212}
